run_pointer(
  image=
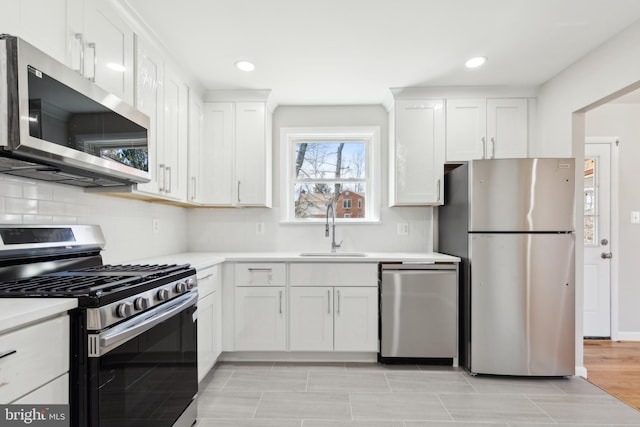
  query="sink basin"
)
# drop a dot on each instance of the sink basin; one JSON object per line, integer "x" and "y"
{"x": 334, "y": 254}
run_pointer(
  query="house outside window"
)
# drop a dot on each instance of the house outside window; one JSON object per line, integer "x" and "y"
{"x": 325, "y": 165}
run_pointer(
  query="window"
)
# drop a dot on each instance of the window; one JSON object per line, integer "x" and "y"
{"x": 326, "y": 165}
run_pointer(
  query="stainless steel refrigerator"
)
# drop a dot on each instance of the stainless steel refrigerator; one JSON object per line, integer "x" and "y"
{"x": 511, "y": 221}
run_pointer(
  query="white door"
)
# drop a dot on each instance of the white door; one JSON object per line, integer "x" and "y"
{"x": 311, "y": 325}
{"x": 356, "y": 319}
{"x": 597, "y": 240}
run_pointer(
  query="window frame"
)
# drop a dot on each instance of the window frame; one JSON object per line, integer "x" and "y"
{"x": 370, "y": 135}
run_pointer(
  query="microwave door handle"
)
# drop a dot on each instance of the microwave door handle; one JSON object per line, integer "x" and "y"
{"x": 129, "y": 330}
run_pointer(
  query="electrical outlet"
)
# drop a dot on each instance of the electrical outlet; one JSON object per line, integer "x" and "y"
{"x": 635, "y": 217}
{"x": 403, "y": 229}
{"x": 155, "y": 225}
{"x": 259, "y": 227}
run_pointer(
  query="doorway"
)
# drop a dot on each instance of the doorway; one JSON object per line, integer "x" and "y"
{"x": 600, "y": 172}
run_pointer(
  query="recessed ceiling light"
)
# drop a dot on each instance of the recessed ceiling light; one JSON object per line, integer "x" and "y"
{"x": 475, "y": 62}
{"x": 245, "y": 66}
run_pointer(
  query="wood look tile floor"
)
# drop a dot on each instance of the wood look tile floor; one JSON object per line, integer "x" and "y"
{"x": 615, "y": 367}
{"x": 372, "y": 395}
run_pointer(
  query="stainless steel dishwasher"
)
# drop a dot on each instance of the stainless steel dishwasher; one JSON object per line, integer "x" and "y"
{"x": 419, "y": 312}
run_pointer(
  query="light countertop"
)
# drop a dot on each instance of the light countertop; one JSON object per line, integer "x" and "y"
{"x": 16, "y": 312}
{"x": 201, "y": 260}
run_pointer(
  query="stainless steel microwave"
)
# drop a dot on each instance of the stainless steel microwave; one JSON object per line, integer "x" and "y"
{"x": 57, "y": 126}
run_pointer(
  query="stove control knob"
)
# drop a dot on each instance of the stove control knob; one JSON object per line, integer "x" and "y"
{"x": 162, "y": 294}
{"x": 141, "y": 303}
{"x": 191, "y": 283}
{"x": 181, "y": 287}
{"x": 124, "y": 310}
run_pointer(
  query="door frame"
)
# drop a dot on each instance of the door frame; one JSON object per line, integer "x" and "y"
{"x": 613, "y": 142}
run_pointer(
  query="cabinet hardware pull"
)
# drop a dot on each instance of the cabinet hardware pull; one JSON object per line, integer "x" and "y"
{"x": 161, "y": 181}
{"x": 484, "y": 147}
{"x": 205, "y": 277}
{"x": 328, "y": 301}
{"x": 238, "y": 191}
{"x": 438, "y": 185}
{"x": 493, "y": 148}
{"x": 193, "y": 188}
{"x": 95, "y": 60}
{"x": 79, "y": 37}
{"x": 280, "y": 302}
{"x": 251, "y": 269}
{"x": 168, "y": 188}
{"x": 338, "y": 298}
{"x": 7, "y": 353}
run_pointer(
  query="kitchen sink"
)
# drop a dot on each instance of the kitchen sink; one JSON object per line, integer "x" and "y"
{"x": 334, "y": 254}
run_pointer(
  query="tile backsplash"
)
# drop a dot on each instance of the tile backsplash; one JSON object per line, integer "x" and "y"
{"x": 126, "y": 223}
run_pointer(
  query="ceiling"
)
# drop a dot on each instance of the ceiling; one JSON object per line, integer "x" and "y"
{"x": 318, "y": 52}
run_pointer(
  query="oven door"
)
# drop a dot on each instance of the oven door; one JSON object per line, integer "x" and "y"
{"x": 144, "y": 371}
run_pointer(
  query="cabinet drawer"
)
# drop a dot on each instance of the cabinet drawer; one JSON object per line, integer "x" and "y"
{"x": 334, "y": 274}
{"x": 41, "y": 354}
{"x": 260, "y": 274}
{"x": 54, "y": 393}
{"x": 209, "y": 280}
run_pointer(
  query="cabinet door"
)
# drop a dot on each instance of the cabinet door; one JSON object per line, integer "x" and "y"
{"x": 417, "y": 153}
{"x": 207, "y": 346}
{"x": 356, "y": 319}
{"x": 251, "y": 153}
{"x": 197, "y": 168}
{"x": 108, "y": 49}
{"x": 176, "y": 119}
{"x": 149, "y": 100}
{"x": 217, "y": 152}
{"x": 260, "y": 318}
{"x": 466, "y": 129}
{"x": 311, "y": 324}
{"x": 507, "y": 128}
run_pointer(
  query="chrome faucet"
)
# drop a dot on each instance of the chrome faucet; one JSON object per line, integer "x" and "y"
{"x": 334, "y": 245}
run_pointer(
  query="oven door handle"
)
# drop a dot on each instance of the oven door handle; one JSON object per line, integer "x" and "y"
{"x": 103, "y": 343}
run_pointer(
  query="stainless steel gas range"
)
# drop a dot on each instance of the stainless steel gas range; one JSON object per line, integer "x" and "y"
{"x": 133, "y": 335}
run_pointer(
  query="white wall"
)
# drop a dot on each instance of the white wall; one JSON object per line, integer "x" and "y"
{"x": 623, "y": 121}
{"x": 126, "y": 224}
{"x": 235, "y": 229}
{"x": 611, "y": 68}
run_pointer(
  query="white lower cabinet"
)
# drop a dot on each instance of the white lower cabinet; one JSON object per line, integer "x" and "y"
{"x": 311, "y": 324}
{"x": 55, "y": 392}
{"x": 260, "y": 318}
{"x": 209, "y": 319}
{"x": 356, "y": 319}
{"x": 334, "y": 318}
{"x": 33, "y": 367}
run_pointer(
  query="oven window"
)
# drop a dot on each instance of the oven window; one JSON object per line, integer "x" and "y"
{"x": 150, "y": 380}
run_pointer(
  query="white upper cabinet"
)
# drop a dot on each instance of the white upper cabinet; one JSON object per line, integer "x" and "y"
{"x": 416, "y": 152}
{"x": 42, "y": 23}
{"x": 174, "y": 162}
{"x": 486, "y": 128}
{"x": 108, "y": 49}
{"x": 164, "y": 97}
{"x": 237, "y": 138}
{"x": 199, "y": 171}
{"x": 507, "y": 128}
{"x": 150, "y": 100}
{"x": 253, "y": 152}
